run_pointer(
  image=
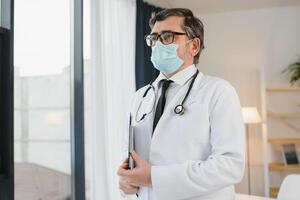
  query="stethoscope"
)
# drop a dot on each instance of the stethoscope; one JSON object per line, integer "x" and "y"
{"x": 179, "y": 109}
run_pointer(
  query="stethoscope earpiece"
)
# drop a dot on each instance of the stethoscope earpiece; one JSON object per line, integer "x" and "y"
{"x": 179, "y": 109}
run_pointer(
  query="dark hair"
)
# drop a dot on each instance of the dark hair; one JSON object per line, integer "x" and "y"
{"x": 191, "y": 24}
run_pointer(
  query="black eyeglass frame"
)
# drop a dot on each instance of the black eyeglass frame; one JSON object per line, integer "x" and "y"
{"x": 158, "y": 36}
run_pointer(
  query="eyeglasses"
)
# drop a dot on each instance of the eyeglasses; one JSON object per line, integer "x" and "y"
{"x": 165, "y": 37}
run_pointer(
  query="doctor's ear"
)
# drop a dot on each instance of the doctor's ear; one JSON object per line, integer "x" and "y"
{"x": 195, "y": 46}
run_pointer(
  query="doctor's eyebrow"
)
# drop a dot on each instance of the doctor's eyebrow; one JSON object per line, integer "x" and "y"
{"x": 163, "y": 31}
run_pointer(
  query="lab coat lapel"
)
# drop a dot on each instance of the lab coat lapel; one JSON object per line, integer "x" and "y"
{"x": 177, "y": 99}
{"x": 169, "y": 109}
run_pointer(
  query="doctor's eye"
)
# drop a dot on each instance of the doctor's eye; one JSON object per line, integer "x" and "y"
{"x": 167, "y": 37}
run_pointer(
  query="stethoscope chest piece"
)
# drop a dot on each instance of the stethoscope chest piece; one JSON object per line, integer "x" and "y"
{"x": 179, "y": 109}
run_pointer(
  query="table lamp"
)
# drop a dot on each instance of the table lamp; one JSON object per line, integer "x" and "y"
{"x": 250, "y": 116}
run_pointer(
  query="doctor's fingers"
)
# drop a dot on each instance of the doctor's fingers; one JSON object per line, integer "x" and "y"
{"x": 123, "y": 166}
{"x": 126, "y": 187}
{"x": 126, "y": 183}
{"x": 130, "y": 191}
{"x": 125, "y": 172}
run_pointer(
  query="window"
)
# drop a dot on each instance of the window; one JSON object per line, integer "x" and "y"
{"x": 42, "y": 104}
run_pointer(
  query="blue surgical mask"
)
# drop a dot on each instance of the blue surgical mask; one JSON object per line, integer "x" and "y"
{"x": 165, "y": 58}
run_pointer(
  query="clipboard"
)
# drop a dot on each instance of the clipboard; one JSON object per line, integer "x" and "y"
{"x": 131, "y": 145}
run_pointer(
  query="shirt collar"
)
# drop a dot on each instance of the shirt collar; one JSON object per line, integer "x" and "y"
{"x": 179, "y": 78}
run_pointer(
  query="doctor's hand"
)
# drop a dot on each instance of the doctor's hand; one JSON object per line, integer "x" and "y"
{"x": 124, "y": 185}
{"x": 138, "y": 176}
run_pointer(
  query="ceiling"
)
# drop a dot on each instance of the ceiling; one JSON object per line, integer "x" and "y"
{"x": 215, "y": 6}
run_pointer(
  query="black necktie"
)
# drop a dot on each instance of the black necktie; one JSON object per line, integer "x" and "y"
{"x": 161, "y": 102}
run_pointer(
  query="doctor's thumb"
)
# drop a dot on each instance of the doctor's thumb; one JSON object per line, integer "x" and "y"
{"x": 136, "y": 157}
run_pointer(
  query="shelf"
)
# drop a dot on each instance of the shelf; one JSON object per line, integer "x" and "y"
{"x": 283, "y": 167}
{"x": 284, "y": 140}
{"x": 283, "y": 114}
{"x": 283, "y": 89}
{"x": 273, "y": 191}
{"x": 276, "y": 142}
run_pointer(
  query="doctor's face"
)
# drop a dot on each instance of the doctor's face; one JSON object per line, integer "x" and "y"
{"x": 185, "y": 47}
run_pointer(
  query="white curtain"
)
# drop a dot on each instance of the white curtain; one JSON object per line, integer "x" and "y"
{"x": 112, "y": 86}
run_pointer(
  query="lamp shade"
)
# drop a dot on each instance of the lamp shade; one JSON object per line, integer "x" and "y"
{"x": 251, "y": 115}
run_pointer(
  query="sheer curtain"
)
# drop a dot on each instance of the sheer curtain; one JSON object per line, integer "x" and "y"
{"x": 112, "y": 85}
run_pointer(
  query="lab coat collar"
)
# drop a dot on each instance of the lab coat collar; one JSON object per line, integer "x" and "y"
{"x": 179, "y": 78}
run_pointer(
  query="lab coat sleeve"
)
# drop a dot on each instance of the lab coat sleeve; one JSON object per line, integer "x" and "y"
{"x": 225, "y": 165}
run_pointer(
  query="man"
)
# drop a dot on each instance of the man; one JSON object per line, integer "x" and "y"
{"x": 197, "y": 153}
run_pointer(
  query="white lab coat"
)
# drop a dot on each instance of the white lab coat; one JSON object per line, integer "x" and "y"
{"x": 197, "y": 155}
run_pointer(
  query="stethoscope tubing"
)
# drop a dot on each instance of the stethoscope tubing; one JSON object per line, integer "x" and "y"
{"x": 179, "y": 109}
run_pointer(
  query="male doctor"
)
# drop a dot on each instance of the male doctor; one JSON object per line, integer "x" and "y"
{"x": 197, "y": 154}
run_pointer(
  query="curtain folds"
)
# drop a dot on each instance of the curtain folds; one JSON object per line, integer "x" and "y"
{"x": 112, "y": 82}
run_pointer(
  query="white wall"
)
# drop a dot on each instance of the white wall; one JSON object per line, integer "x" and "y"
{"x": 238, "y": 45}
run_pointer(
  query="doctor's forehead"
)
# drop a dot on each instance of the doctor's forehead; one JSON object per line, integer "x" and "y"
{"x": 172, "y": 23}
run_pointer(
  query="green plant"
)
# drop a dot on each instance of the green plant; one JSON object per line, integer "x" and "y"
{"x": 294, "y": 70}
